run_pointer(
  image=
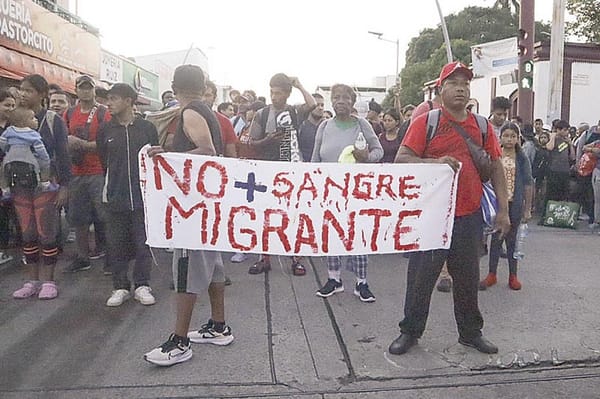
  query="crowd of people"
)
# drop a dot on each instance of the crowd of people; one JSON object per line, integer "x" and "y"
{"x": 81, "y": 159}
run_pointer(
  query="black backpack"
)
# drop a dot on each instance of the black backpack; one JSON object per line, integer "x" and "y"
{"x": 21, "y": 175}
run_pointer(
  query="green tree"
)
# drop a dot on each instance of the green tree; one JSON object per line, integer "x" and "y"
{"x": 587, "y": 19}
{"x": 473, "y": 25}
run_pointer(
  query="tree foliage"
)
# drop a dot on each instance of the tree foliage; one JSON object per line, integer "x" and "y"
{"x": 426, "y": 53}
{"x": 587, "y": 19}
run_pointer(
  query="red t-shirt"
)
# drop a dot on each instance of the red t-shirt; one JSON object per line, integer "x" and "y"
{"x": 227, "y": 133}
{"x": 447, "y": 141}
{"x": 91, "y": 164}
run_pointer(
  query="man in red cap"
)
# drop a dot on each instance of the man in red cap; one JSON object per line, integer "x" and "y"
{"x": 448, "y": 146}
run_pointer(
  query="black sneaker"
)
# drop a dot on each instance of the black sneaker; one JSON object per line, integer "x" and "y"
{"x": 78, "y": 265}
{"x": 364, "y": 293}
{"x": 332, "y": 286}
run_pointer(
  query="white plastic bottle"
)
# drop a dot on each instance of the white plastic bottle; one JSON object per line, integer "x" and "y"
{"x": 361, "y": 142}
{"x": 521, "y": 235}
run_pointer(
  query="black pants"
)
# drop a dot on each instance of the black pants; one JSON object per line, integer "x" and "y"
{"x": 585, "y": 196}
{"x": 557, "y": 188}
{"x": 126, "y": 236}
{"x": 511, "y": 240}
{"x": 463, "y": 265}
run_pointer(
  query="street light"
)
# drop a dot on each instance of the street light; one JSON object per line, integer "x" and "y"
{"x": 397, "y": 41}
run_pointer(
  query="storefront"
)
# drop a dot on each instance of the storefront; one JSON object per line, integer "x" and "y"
{"x": 114, "y": 68}
{"x": 35, "y": 40}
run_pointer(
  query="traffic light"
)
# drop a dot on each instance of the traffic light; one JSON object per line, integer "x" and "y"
{"x": 522, "y": 43}
{"x": 526, "y": 80}
{"x": 525, "y": 49}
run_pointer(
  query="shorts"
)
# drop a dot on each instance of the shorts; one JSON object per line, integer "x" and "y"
{"x": 194, "y": 273}
{"x": 85, "y": 200}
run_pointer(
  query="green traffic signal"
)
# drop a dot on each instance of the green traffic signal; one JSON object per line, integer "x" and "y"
{"x": 527, "y": 82}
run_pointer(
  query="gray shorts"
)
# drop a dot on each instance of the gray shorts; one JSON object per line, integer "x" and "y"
{"x": 85, "y": 200}
{"x": 194, "y": 273}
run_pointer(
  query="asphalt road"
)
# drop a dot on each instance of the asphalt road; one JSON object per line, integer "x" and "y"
{"x": 291, "y": 344}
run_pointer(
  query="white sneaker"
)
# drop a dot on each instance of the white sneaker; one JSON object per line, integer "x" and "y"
{"x": 238, "y": 257}
{"x": 118, "y": 297}
{"x": 143, "y": 294}
{"x": 71, "y": 236}
{"x": 4, "y": 258}
{"x": 207, "y": 335}
{"x": 171, "y": 352}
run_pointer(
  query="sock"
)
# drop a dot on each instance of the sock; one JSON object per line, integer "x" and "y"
{"x": 335, "y": 274}
{"x": 218, "y": 326}
{"x": 361, "y": 280}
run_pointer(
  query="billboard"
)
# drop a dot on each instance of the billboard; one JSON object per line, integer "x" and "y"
{"x": 33, "y": 30}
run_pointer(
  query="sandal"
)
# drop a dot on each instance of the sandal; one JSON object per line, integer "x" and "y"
{"x": 260, "y": 267}
{"x": 298, "y": 269}
{"x": 28, "y": 290}
{"x": 48, "y": 291}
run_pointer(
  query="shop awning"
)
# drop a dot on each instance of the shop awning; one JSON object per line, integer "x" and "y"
{"x": 15, "y": 65}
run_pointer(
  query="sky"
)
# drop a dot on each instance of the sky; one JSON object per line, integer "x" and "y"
{"x": 320, "y": 42}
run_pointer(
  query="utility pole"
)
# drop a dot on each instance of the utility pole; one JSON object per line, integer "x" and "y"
{"x": 445, "y": 33}
{"x": 397, "y": 42}
{"x": 525, "y": 45}
{"x": 557, "y": 50}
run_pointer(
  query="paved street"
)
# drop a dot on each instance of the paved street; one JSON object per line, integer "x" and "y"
{"x": 291, "y": 344}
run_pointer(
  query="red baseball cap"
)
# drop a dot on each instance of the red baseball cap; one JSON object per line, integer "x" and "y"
{"x": 451, "y": 68}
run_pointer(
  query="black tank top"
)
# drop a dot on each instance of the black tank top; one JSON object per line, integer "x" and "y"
{"x": 181, "y": 142}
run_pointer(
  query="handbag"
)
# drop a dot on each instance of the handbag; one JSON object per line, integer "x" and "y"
{"x": 561, "y": 214}
{"x": 587, "y": 162}
{"x": 481, "y": 159}
{"x": 489, "y": 204}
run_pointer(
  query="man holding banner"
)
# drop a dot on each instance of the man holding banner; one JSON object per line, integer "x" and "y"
{"x": 447, "y": 145}
{"x": 274, "y": 135}
{"x": 194, "y": 271}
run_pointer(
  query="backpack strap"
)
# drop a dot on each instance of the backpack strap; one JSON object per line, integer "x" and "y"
{"x": 433, "y": 120}
{"x": 482, "y": 122}
{"x": 69, "y": 115}
{"x": 264, "y": 117}
{"x": 49, "y": 119}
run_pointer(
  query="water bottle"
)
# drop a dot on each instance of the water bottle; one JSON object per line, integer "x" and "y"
{"x": 521, "y": 234}
{"x": 361, "y": 142}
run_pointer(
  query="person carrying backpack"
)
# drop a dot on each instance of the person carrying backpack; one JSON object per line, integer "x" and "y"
{"x": 274, "y": 135}
{"x": 454, "y": 141}
{"x": 85, "y": 191}
{"x": 194, "y": 271}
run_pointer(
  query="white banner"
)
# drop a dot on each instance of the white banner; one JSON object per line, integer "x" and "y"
{"x": 282, "y": 208}
{"x": 495, "y": 58}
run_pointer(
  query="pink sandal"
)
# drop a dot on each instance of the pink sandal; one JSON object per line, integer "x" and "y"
{"x": 48, "y": 291}
{"x": 28, "y": 290}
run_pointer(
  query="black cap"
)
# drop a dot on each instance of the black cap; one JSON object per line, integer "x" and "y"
{"x": 123, "y": 90}
{"x": 85, "y": 79}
